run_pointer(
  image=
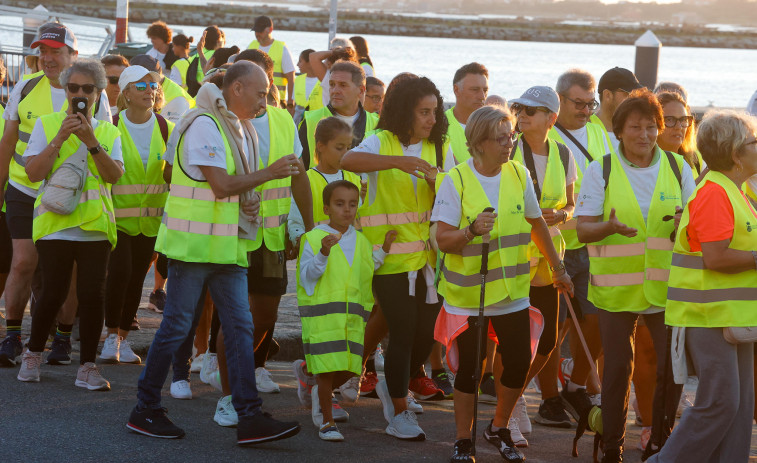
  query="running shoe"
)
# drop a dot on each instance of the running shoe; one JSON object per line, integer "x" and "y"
{"x": 196, "y": 363}
{"x": 60, "y": 352}
{"x": 413, "y": 404}
{"x": 89, "y": 377}
{"x": 378, "y": 358}
{"x": 305, "y": 383}
{"x": 576, "y": 403}
{"x": 330, "y": 433}
{"x": 10, "y": 350}
{"x": 386, "y": 400}
{"x": 350, "y": 391}
{"x": 111, "y": 348}
{"x": 565, "y": 371}
{"x": 552, "y": 413}
{"x": 487, "y": 392}
{"x": 646, "y": 434}
{"x": 209, "y": 366}
{"x": 30, "y": 367}
{"x": 518, "y": 439}
{"x": 368, "y": 384}
{"x": 264, "y": 381}
{"x": 215, "y": 381}
{"x": 596, "y": 399}
{"x": 315, "y": 409}
{"x": 463, "y": 452}
{"x": 424, "y": 388}
{"x": 339, "y": 414}
{"x": 126, "y": 354}
{"x": 157, "y": 301}
{"x": 520, "y": 413}
{"x": 442, "y": 381}
{"x": 225, "y": 414}
{"x": 405, "y": 427}
{"x": 504, "y": 444}
{"x": 181, "y": 390}
{"x": 261, "y": 427}
{"x": 153, "y": 423}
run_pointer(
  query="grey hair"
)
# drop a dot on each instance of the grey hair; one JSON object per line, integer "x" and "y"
{"x": 88, "y": 67}
{"x": 482, "y": 125}
{"x": 721, "y": 134}
{"x": 672, "y": 87}
{"x": 340, "y": 42}
{"x": 496, "y": 100}
{"x": 575, "y": 76}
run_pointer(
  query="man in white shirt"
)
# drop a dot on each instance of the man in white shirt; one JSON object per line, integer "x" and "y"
{"x": 283, "y": 63}
{"x": 614, "y": 87}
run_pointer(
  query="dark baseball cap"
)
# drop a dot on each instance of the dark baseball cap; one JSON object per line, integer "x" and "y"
{"x": 55, "y": 35}
{"x": 262, "y": 23}
{"x": 147, "y": 62}
{"x": 618, "y": 79}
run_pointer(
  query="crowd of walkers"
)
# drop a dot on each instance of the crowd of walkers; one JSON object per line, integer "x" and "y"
{"x": 478, "y": 237}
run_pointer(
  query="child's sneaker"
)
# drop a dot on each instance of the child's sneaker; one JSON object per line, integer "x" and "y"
{"x": 305, "y": 383}
{"x": 329, "y": 432}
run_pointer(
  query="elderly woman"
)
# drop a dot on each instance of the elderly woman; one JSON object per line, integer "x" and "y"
{"x": 70, "y": 141}
{"x": 628, "y": 201}
{"x": 712, "y": 287}
{"x": 552, "y": 165}
{"x": 488, "y": 179}
{"x": 138, "y": 200}
{"x": 679, "y": 135}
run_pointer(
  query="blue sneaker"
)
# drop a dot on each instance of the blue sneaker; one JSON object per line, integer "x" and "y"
{"x": 10, "y": 351}
{"x": 60, "y": 352}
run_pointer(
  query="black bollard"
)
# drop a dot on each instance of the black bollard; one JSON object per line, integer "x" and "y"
{"x": 647, "y": 59}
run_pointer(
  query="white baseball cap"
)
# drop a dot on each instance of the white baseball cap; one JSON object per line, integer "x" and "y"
{"x": 135, "y": 74}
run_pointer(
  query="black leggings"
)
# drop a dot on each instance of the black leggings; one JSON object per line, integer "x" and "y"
{"x": 56, "y": 260}
{"x": 411, "y": 328}
{"x": 129, "y": 263}
{"x": 546, "y": 299}
{"x": 161, "y": 265}
{"x": 514, "y": 336}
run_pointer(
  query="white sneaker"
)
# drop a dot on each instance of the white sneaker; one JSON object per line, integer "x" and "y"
{"x": 339, "y": 414}
{"x": 520, "y": 413}
{"x": 111, "y": 346}
{"x": 413, "y": 404}
{"x": 315, "y": 409}
{"x": 596, "y": 399}
{"x": 126, "y": 355}
{"x": 405, "y": 426}
{"x": 264, "y": 381}
{"x": 350, "y": 390}
{"x": 30, "y": 366}
{"x": 386, "y": 400}
{"x": 515, "y": 434}
{"x": 88, "y": 376}
{"x": 225, "y": 413}
{"x": 305, "y": 383}
{"x": 181, "y": 390}
{"x": 209, "y": 365}
{"x": 215, "y": 380}
{"x": 378, "y": 359}
{"x": 196, "y": 363}
{"x": 330, "y": 434}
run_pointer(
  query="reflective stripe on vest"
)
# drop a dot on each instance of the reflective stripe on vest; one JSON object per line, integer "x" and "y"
{"x": 631, "y": 274}
{"x": 698, "y": 297}
{"x": 457, "y": 139}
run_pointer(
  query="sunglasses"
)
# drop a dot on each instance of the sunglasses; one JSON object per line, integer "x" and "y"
{"x": 87, "y": 88}
{"x": 529, "y": 110}
{"x": 142, "y": 86}
{"x": 113, "y": 80}
{"x": 592, "y": 105}
{"x": 509, "y": 138}
{"x": 684, "y": 121}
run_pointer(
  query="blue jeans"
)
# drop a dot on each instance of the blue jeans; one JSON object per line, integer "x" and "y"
{"x": 228, "y": 288}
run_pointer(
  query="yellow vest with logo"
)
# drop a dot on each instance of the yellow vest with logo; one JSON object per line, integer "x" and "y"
{"x": 401, "y": 207}
{"x": 140, "y": 195}
{"x": 172, "y": 90}
{"x": 317, "y": 185}
{"x": 457, "y": 139}
{"x": 596, "y": 148}
{"x": 334, "y": 317}
{"x": 631, "y": 274}
{"x": 95, "y": 209}
{"x": 37, "y": 103}
{"x": 301, "y": 98}
{"x": 276, "y": 53}
{"x": 553, "y": 196}
{"x": 699, "y": 297}
{"x": 508, "y": 275}
{"x": 197, "y": 226}
{"x": 276, "y": 194}
{"x": 313, "y": 117}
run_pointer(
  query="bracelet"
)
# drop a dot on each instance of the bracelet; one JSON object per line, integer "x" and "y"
{"x": 465, "y": 234}
{"x": 560, "y": 266}
{"x": 54, "y": 146}
{"x": 565, "y": 216}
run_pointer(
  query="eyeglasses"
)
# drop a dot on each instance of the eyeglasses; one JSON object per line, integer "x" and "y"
{"x": 529, "y": 110}
{"x": 142, "y": 86}
{"x": 506, "y": 139}
{"x": 87, "y": 88}
{"x": 684, "y": 121}
{"x": 375, "y": 98}
{"x": 113, "y": 80}
{"x": 592, "y": 105}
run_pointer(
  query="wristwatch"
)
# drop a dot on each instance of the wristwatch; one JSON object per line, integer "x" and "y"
{"x": 94, "y": 150}
{"x": 558, "y": 267}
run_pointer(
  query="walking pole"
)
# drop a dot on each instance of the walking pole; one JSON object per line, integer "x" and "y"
{"x": 480, "y": 328}
{"x": 580, "y": 333}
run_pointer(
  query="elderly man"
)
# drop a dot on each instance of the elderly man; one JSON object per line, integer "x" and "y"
{"x": 471, "y": 85}
{"x": 208, "y": 227}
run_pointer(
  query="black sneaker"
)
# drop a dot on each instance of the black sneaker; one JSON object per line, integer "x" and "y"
{"x": 262, "y": 427}
{"x": 153, "y": 423}
{"x": 157, "y": 301}
{"x": 134, "y": 324}
{"x": 10, "y": 351}
{"x": 576, "y": 403}
{"x": 612, "y": 456}
{"x": 442, "y": 382}
{"x": 60, "y": 352}
{"x": 463, "y": 452}
{"x": 487, "y": 392}
{"x": 552, "y": 413}
{"x": 504, "y": 443}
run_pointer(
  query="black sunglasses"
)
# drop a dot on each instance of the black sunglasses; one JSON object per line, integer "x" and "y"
{"x": 113, "y": 80}
{"x": 592, "y": 105}
{"x": 87, "y": 88}
{"x": 529, "y": 110}
{"x": 684, "y": 121}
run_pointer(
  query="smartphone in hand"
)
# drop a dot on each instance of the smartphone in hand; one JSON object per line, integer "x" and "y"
{"x": 79, "y": 105}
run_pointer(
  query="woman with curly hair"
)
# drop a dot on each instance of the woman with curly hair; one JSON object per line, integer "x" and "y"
{"x": 402, "y": 162}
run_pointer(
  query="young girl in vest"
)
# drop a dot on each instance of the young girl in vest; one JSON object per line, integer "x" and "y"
{"x": 334, "y": 276}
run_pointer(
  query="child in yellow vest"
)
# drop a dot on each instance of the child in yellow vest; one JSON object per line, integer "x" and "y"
{"x": 334, "y": 277}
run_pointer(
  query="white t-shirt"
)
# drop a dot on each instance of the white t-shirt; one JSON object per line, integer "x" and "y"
{"x": 175, "y": 109}
{"x": 373, "y": 145}
{"x": 326, "y": 93}
{"x": 158, "y": 56}
{"x": 540, "y": 165}
{"x": 368, "y": 70}
{"x": 176, "y": 76}
{"x": 37, "y": 143}
{"x": 264, "y": 138}
{"x": 582, "y": 136}
{"x": 310, "y": 83}
{"x": 141, "y": 135}
{"x": 448, "y": 209}
{"x": 349, "y": 120}
{"x": 203, "y": 146}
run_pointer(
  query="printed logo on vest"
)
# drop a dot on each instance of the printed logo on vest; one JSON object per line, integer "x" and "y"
{"x": 29, "y": 115}
{"x": 749, "y": 226}
{"x": 519, "y": 210}
{"x": 664, "y": 197}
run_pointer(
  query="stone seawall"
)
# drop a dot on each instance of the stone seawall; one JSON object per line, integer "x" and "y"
{"x": 351, "y": 22}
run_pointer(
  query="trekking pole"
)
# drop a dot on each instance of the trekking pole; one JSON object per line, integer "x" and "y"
{"x": 480, "y": 328}
{"x": 594, "y": 373}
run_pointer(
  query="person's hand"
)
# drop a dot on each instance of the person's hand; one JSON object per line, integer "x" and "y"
{"x": 201, "y": 42}
{"x": 619, "y": 227}
{"x": 562, "y": 282}
{"x": 328, "y": 242}
{"x": 552, "y": 216}
{"x": 415, "y": 166}
{"x": 69, "y": 125}
{"x": 85, "y": 132}
{"x": 389, "y": 238}
{"x": 484, "y": 223}
{"x": 251, "y": 207}
{"x": 285, "y": 167}
{"x": 292, "y": 250}
{"x": 363, "y": 189}
{"x": 677, "y": 216}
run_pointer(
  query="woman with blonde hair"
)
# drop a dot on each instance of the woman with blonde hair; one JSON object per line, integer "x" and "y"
{"x": 679, "y": 134}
